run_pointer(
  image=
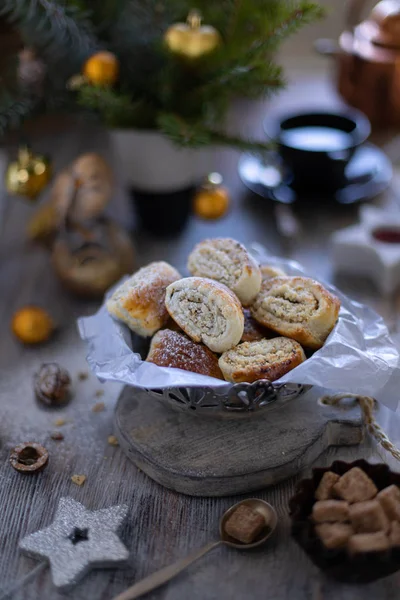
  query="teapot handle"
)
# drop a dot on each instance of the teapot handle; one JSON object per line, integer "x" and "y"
{"x": 354, "y": 10}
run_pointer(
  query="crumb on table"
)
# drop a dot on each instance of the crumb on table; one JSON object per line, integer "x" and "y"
{"x": 60, "y": 422}
{"x": 99, "y": 393}
{"x": 57, "y": 435}
{"x": 112, "y": 440}
{"x": 78, "y": 479}
{"x": 82, "y": 375}
{"x": 98, "y": 407}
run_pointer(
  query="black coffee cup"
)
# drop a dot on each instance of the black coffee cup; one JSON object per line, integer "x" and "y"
{"x": 317, "y": 146}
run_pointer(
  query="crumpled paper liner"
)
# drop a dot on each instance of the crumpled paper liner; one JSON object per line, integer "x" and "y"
{"x": 358, "y": 356}
{"x": 337, "y": 563}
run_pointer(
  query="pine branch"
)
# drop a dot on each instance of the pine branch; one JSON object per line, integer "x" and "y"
{"x": 13, "y": 112}
{"x": 195, "y": 135}
{"x": 55, "y": 30}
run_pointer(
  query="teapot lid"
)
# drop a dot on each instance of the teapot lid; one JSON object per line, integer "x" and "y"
{"x": 382, "y": 28}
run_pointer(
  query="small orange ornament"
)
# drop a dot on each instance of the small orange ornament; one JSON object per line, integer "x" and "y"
{"x": 102, "y": 68}
{"x": 212, "y": 200}
{"x": 32, "y": 325}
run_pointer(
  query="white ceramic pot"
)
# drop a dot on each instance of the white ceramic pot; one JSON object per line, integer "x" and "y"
{"x": 150, "y": 162}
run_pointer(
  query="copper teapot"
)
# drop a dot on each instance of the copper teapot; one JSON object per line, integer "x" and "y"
{"x": 368, "y": 61}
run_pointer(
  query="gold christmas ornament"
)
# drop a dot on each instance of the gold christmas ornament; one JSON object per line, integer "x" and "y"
{"x": 28, "y": 175}
{"x": 32, "y": 325}
{"x": 212, "y": 200}
{"x": 192, "y": 40}
{"x": 101, "y": 69}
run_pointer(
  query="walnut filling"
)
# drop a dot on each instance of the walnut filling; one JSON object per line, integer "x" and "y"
{"x": 222, "y": 262}
{"x": 294, "y": 305}
{"x": 205, "y": 317}
{"x": 256, "y": 354}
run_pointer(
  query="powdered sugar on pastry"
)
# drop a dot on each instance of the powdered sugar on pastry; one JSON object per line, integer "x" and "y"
{"x": 207, "y": 311}
{"x": 172, "y": 349}
{"x": 139, "y": 301}
{"x": 227, "y": 261}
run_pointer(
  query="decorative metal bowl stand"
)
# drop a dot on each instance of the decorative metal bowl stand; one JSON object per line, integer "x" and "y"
{"x": 251, "y": 436}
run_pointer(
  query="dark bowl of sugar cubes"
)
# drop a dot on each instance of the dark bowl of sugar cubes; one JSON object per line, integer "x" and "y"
{"x": 347, "y": 519}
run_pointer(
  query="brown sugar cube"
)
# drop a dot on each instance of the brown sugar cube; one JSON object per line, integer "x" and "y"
{"x": 325, "y": 489}
{"x": 394, "y": 535}
{"x": 390, "y": 501}
{"x": 355, "y": 486}
{"x": 368, "y": 542}
{"x": 244, "y": 524}
{"x": 368, "y": 517}
{"x": 334, "y": 535}
{"x": 330, "y": 510}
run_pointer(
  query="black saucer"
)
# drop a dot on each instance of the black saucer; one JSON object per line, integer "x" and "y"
{"x": 368, "y": 174}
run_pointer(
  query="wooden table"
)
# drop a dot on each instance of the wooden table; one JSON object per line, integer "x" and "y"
{"x": 163, "y": 526}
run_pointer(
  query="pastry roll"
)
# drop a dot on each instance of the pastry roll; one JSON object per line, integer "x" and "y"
{"x": 228, "y": 262}
{"x": 207, "y": 311}
{"x": 171, "y": 349}
{"x": 297, "y": 307}
{"x": 139, "y": 301}
{"x": 266, "y": 359}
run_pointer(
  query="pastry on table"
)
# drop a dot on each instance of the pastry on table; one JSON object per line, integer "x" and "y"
{"x": 253, "y": 331}
{"x": 207, "y": 311}
{"x": 172, "y": 349}
{"x": 269, "y": 271}
{"x": 266, "y": 359}
{"x": 297, "y": 307}
{"x": 139, "y": 301}
{"x": 227, "y": 261}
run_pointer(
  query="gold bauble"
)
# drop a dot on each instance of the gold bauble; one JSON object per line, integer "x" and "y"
{"x": 212, "y": 200}
{"x": 28, "y": 175}
{"x": 32, "y": 325}
{"x": 101, "y": 69}
{"x": 192, "y": 40}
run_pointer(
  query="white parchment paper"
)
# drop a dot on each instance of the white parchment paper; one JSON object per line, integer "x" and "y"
{"x": 358, "y": 356}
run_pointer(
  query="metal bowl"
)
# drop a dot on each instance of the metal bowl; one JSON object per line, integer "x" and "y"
{"x": 240, "y": 400}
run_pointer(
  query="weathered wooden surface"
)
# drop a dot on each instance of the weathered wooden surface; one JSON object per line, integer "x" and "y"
{"x": 206, "y": 457}
{"x": 163, "y": 525}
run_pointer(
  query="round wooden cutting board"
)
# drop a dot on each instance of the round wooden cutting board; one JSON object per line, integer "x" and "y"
{"x": 203, "y": 457}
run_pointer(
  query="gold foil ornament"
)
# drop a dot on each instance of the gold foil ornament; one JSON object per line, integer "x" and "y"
{"x": 101, "y": 69}
{"x": 28, "y": 175}
{"x": 192, "y": 40}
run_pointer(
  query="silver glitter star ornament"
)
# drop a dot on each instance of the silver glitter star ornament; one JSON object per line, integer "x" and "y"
{"x": 77, "y": 541}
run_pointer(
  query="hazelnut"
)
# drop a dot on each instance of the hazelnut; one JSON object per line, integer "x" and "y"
{"x": 52, "y": 385}
{"x": 29, "y": 457}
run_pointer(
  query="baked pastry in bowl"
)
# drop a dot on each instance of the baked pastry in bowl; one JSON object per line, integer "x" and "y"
{"x": 227, "y": 261}
{"x": 207, "y": 311}
{"x": 297, "y": 307}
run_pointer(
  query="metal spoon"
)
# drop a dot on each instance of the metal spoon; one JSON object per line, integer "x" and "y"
{"x": 163, "y": 575}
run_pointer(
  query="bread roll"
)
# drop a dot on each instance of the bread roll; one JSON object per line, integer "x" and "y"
{"x": 207, "y": 311}
{"x": 139, "y": 301}
{"x": 265, "y": 359}
{"x": 297, "y": 307}
{"x": 227, "y": 261}
{"x": 172, "y": 349}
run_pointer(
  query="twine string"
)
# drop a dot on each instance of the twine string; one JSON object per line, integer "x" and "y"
{"x": 367, "y": 405}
